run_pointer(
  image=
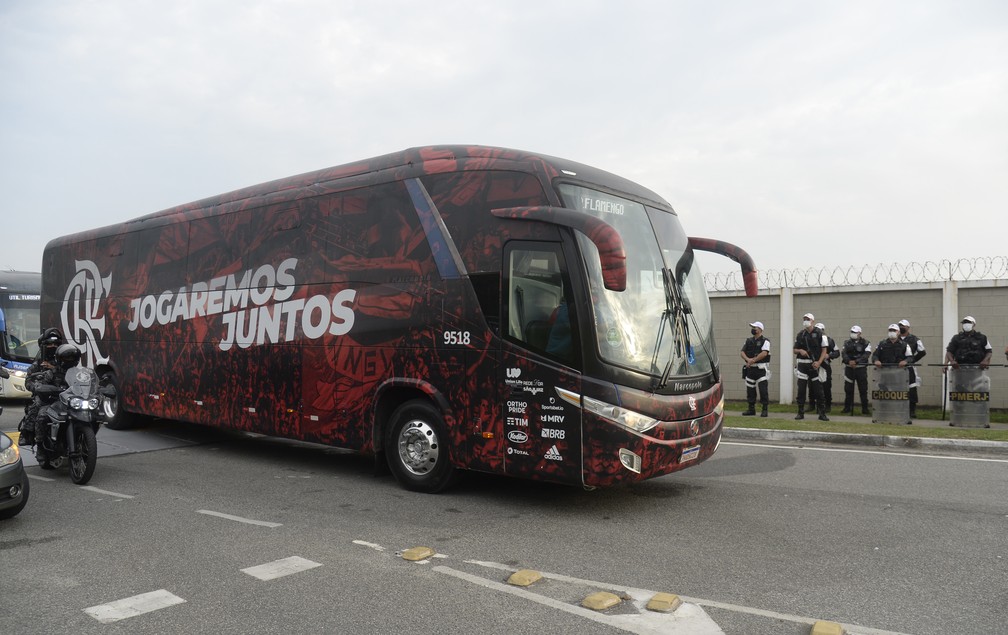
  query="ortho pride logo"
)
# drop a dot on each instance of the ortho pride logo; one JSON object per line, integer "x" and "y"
{"x": 84, "y": 311}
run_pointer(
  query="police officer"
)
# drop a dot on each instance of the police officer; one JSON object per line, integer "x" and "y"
{"x": 917, "y": 348}
{"x": 41, "y": 371}
{"x": 810, "y": 349}
{"x": 756, "y": 355}
{"x": 969, "y": 346}
{"x": 827, "y": 383}
{"x": 892, "y": 350}
{"x": 855, "y": 356}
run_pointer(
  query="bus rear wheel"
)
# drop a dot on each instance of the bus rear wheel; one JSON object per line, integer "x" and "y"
{"x": 416, "y": 448}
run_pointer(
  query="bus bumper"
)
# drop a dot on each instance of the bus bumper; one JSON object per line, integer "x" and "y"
{"x": 618, "y": 455}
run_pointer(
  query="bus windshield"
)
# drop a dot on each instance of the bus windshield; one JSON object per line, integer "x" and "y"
{"x": 19, "y": 315}
{"x": 661, "y": 324}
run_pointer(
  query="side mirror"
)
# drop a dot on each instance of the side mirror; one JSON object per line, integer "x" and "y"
{"x": 3, "y": 373}
{"x": 749, "y": 276}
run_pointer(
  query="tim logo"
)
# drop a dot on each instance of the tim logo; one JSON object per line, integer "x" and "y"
{"x": 84, "y": 311}
{"x": 513, "y": 373}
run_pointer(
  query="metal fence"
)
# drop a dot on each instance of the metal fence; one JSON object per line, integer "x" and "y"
{"x": 992, "y": 268}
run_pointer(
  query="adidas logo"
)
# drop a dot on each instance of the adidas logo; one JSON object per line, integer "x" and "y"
{"x": 553, "y": 454}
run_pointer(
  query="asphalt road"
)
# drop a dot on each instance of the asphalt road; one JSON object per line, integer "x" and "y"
{"x": 759, "y": 539}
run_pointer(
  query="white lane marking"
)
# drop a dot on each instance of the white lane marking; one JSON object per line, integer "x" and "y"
{"x": 280, "y": 568}
{"x": 247, "y": 521}
{"x": 370, "y": 545}
{"x": 691, "y": 620}
{"x": 908, "y": 454}
{"x": 853, "y": 629}
{"x": 131, "y": 607}
{"x": 41, "y": 478}
{"x": 105, "y": 491}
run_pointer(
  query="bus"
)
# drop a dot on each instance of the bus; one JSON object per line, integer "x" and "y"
{"x": 20, "y": 295}
{"x": 443, "y": 308}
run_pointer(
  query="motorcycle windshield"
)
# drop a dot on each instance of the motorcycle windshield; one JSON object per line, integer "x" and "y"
{"x": 82, "y": 382}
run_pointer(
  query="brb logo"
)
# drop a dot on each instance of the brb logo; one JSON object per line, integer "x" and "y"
{"x": 84, "y": 312}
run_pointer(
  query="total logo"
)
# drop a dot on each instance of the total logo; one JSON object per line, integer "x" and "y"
{"x": 553, "y": 454}
{"x": 517, "y": 451}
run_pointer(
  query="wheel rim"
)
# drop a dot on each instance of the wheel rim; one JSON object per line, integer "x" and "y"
{"x": 418, "y": 447}
{"x": 109, "y": 406}
{"x": 78, "y": 462}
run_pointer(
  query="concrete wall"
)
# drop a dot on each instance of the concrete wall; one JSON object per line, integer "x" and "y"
{"x": 933, "y": 309}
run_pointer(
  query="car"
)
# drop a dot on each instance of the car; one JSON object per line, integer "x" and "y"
{"x": 14, "y": 487}
{"x": 13, "y": 478}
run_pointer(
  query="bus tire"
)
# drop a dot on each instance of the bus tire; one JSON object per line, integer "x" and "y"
{"x": 416, "y": 448}
{"x": 115, "y": 417}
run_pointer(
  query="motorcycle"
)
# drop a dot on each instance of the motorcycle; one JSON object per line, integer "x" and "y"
{"x": 71, "y": 420}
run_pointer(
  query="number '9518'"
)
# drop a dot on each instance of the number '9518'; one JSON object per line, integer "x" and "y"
{"x": 456, "y": 337}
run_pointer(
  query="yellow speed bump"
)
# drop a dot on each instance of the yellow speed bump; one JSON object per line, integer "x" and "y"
{"x": 525, "y": 577}
{"x": 823, "y": 627}
{"x": 601, "y": 601}
{"x": 664, "y": 602}
{"x": 417, "y": 553}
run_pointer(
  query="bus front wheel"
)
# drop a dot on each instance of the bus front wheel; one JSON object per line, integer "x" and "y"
{"x": 115, "y": 417}
{"x": 417, "y": 448}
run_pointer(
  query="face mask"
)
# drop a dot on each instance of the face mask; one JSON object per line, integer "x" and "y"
{"x": 893, "y": 335}
{"x": 753, "y": 331}
{"x": 903, "y": 330}
{"x": 806, "y": 324}
{"x": 967, "y": 327}
{"x": 854, "y": 336}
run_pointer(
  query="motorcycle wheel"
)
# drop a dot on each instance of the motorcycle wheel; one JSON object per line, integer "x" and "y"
{"x": 83, "y": 462}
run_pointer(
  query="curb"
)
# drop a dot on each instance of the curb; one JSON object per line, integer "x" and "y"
{"x": 869, "y": 440}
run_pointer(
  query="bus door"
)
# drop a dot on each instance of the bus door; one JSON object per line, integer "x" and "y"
{"x": 540, "y": 354}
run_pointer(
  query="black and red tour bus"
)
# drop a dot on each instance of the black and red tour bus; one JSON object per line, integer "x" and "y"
{"x": 444, "y": 308}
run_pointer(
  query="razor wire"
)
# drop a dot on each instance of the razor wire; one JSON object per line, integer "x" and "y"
{"x": 962, "y": 269}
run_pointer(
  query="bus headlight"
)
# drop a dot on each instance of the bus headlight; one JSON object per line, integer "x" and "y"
{"x": 626, "y": 418}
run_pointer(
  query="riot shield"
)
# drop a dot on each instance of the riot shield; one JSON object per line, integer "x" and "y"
{"x": 969, "y": 396}
{"x": 890, "y": 395}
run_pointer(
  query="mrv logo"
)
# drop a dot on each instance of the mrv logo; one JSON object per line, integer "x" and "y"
{"x": 84, "y": 311}
{"x": 256, "y": 308}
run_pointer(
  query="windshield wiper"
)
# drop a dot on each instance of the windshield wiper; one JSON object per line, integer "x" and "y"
{"x": 675, "y": 315}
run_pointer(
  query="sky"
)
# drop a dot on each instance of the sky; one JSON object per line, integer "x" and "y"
{"x": 812, "y": 134}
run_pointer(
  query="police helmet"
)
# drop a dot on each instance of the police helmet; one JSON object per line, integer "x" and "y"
{"x": 51, "y": 337}
{"x": 68, "y": 356}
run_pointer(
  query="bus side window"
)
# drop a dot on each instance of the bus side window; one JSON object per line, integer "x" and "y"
{"x": 537, "y": 309}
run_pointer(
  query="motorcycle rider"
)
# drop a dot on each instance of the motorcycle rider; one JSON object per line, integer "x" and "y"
{"x": 40, "y": 372}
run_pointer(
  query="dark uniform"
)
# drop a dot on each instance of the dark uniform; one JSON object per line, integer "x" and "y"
{"x": 857, "y": 351}
{"x": 827, "y": 383}
{"x": 892, "y": 352}
{"x": 917, "y": 349}
{"x": 757, "y": 375}
{"x": 42, "y": 371}
{"x": 812, "y": 342}
{"x": 969, "y": 347}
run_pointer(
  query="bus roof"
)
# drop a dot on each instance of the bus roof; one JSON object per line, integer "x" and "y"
{"x": 410, "y": 163}
{"x": 26, "y": 281}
